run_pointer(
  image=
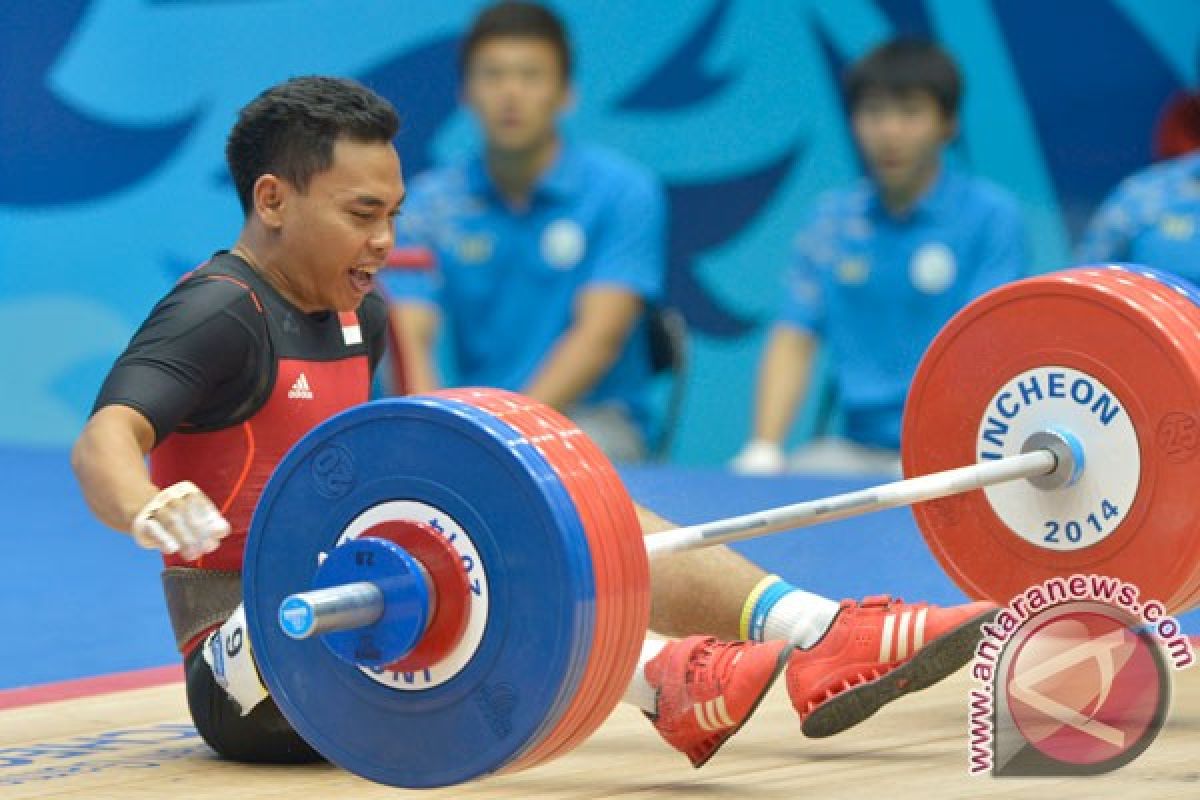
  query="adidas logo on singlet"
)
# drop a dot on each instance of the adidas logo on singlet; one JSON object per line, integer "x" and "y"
{"x": 300, "y": 389}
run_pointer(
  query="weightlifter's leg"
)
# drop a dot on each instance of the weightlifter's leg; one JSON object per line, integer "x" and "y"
{"x": 229, "y": 705}
{"x": 718, "y": 592}
{"x": 844, "y": 660}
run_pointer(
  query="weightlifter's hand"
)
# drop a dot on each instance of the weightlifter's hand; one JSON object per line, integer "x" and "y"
{"x": 180, "y": 519}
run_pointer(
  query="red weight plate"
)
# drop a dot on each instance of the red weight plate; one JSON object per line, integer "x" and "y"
{"x": 451, "y": 591}
{"x": 599, "y": 665}
{"x": 622, "y": 535}
{"x": 577, "y": 720}
{"x": 512, "y": 410}
{"x": 626, "y": 531}
{"x": 1113, "y": 358}
{"x": 627, "y": 584}
{"x": 1176, "y": 436}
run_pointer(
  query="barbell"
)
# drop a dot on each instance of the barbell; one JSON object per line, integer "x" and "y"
{"x": 443, "y": 587}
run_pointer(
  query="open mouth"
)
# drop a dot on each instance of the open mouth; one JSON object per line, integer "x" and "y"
{"x": 363, "y": 280}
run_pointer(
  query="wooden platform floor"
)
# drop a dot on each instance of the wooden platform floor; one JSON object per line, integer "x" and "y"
{"x": 139, "y": 744}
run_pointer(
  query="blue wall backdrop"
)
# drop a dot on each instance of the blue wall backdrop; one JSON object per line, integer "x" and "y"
{"x": 113, "y": 115}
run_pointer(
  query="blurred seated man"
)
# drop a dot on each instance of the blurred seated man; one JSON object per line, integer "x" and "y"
{"x": 540, "y": 254}
{"x": 1153, "y": 215}
{"x": 1152, "y": 218}
{"x": 881, "y": 266}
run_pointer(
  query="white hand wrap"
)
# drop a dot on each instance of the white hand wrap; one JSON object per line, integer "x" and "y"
{"x": 180, "y": 519}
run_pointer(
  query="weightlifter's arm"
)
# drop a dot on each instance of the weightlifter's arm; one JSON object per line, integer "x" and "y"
{"x": 109, "y": 463}
{"x": 697, "y": 591}
{"x": 205, "y": 333}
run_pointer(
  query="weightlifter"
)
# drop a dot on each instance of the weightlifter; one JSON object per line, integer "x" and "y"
{"x": 251, "y": 350}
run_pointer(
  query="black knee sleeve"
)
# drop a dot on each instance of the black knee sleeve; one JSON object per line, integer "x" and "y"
{"x": 261, "y": 737}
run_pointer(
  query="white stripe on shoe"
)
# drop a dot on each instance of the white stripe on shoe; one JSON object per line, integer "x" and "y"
{"x": 702, "y": 717}
{"x": 712, "y": 715}
{"x": 885, "y": 645}
{"x": 721, "y": 712}
{"x": 902, "y": 636}
{"x": 919, "y": 630}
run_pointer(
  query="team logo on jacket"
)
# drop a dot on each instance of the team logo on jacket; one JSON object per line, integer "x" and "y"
{"x": 563, "y": 243}
{"x": 853, "y": 271}
{"x": 933, "y": 269}
{"x": 1177, "y": 226}
{"x": 474, "y": 248}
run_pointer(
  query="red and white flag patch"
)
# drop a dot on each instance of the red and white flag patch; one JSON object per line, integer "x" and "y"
{"x": 351, "y": 332}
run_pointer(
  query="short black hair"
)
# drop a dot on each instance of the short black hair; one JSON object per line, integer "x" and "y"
{"x": 904, "y": 65}
{"x": 290, "y": 129}
{"x": 517, "y": 19}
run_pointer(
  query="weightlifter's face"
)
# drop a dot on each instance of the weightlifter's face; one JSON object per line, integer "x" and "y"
{"x": 337, "y": 232}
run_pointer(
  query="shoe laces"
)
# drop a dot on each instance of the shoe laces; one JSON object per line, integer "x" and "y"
{"x": 880, "y": 601}
{"x": 712, "y": 661}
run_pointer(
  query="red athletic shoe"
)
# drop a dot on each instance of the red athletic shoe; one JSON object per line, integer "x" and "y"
{"x": 708, "y": 689}
{"x": 876, "y": 651}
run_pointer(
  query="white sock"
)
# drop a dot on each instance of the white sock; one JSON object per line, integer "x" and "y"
{"x": 800, "y": 617}
{"x": 639, "y": 692}
{"x": 777, "y": 611}
{"x": 227, "y": 653}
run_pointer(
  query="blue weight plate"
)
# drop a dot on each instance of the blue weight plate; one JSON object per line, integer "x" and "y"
{"x": 505, "y": 495}
{"x": 1176, "y": 282}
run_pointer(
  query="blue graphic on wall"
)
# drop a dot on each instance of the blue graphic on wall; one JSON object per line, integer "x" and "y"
{"x": 113, "y": 115}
